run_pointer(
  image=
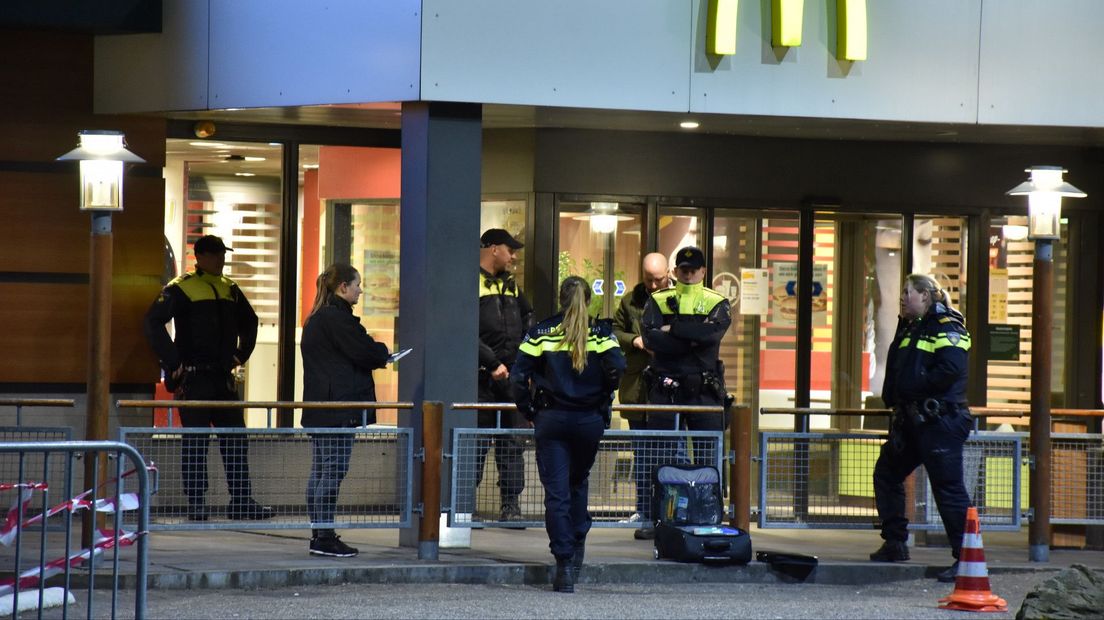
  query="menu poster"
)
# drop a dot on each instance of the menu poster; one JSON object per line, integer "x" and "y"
{"x": 754, "y": 291}
{"x": 380, "y": 280}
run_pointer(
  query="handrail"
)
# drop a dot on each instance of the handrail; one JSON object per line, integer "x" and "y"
{"x": 627, "y": 408}
{"x": 37, "y": 402}
{"x": 20, "y": 403}
{"x": 266, "y": 404}
{"x": 977, "y": 412}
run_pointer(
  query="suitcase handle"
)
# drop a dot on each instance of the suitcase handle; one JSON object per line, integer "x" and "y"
{"x": 717, "y": 545}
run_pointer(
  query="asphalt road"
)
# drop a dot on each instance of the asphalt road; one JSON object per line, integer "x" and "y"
{"x": 907, "y": 599}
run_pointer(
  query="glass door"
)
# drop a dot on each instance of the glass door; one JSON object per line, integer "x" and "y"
{"x": 601, "y": 242}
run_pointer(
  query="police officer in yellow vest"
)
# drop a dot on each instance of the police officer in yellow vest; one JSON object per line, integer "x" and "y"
{"x": 504, "y": 317}
{"x": 216, "y": 330}
{"x": 683, "y": 327}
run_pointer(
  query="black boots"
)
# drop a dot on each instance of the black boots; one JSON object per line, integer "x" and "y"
{"x": 564, "y": 581}
{"x": 577, "y": 560}
{"x": 891, "y": 551}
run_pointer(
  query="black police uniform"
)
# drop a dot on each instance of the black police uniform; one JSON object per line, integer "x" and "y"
{"x": 504, "y": 315}
{"x": 686, "y": 368}
{"x": 925, "y": 385}
{"x": 570, "y": 411}
{"x": 214, "y": 325}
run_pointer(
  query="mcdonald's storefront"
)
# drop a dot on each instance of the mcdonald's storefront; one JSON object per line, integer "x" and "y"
{"x": 823, "y": 166}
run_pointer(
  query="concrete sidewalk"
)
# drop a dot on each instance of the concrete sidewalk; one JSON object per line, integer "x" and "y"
{"x": 279, "y": 558}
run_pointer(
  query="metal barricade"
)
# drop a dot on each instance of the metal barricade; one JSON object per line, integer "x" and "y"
{"x": 825, "y": 481}
{"x": 617, "y": 481}
{"x": 273, "y": 465}
{"x": 59, "y": 562}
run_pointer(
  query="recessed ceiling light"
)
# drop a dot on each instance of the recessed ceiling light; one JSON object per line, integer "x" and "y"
{"x": 212, "y": 145}
{"x": 244, "y": 174}
{"x": 310, "y": 166}
{"x": 689, "y": 124}
{"x": 253, "y": 158}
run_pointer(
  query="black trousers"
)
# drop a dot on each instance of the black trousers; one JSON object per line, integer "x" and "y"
{"x": 509, "y": 450}
{"x": 212, "y": 385}
{"x": 567, "y": 443}
{"x": 937, "y": 445}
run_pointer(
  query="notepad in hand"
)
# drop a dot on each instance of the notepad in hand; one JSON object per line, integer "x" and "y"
{"x": 398, "y": 356}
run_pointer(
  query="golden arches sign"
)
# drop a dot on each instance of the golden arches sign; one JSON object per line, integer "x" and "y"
{"x": 786, "y": 22}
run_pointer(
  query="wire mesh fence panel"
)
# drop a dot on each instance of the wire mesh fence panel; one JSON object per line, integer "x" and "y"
{"x": 1077, "y": 479}
{"x": 995, "y": 475}
{"x": 823, "y": 480}
{"x": 26, "y": 467}
{"x": 309, "y": 478}
{"x": 811, "y": 480}
{"x": 489, "y": 491}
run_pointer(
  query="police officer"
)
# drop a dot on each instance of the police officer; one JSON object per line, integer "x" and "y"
{"x": 627, "y": 327}
{"x": 504, "y": 316}
{"x": 925, "y": 385}
{"x": 563, "y": 383}
{"x": 216, "y": 330}
{"x": 683, "y": 327}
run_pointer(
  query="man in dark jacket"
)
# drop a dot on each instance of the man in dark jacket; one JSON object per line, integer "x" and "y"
{"x": 216, "y": 330}
{"x": 504, "y": 317}
{"x": 627, "y": 328}
{"x": 925, "y": 385}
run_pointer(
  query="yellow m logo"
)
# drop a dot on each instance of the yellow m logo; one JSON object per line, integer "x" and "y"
{"x": 786, "y": 23}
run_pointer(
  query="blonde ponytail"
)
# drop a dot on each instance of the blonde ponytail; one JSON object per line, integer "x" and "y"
{"x": 574, "y": 300}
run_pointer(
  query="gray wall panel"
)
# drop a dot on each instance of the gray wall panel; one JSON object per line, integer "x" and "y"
{"x": 619, "y": 54}
{"x": 1040, "y": 63}
{"x": 288, "y": 52}
{"x": 163, "y": 71}
{"x": 921, "y": 64}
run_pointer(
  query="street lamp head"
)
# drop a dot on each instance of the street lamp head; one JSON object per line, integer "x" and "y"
{"x": 1045, "y": 190}
{"x": 101, "y": 155}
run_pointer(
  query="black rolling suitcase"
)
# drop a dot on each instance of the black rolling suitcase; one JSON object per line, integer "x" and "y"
{"x": 688, "y": 508}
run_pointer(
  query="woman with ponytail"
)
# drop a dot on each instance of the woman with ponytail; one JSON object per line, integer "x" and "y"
{"x": 563, "y": 381}
{"x": 338, "y": 359}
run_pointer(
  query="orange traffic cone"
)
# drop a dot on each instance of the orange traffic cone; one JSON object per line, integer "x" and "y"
{"x": 971, "y": 591}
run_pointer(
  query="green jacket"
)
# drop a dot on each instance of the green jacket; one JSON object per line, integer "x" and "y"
{"x": 626, "y": 327}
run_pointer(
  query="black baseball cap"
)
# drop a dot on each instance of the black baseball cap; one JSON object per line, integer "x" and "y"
{"x": 498, "y": 236}
{"x": 210, "y": 244}
{"x": 691, "y": 257}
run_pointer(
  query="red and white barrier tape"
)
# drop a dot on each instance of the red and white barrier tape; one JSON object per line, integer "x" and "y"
{"x": 30, "y": 578}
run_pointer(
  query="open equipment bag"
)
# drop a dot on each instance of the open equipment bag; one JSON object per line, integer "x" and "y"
{"x": 688, "y": 509}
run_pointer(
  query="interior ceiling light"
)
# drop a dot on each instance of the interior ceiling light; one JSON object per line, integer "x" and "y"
{"x": 689, "y": 124}
{"x": 603, "y": 217}
{"x": 210, "y": 145}
{"x": 310, "y": 166}
{"x": 244, "y": 174}
{"x": 253, "y": 158}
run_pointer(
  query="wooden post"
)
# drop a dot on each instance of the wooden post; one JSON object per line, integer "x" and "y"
{"x": 99, "y": 355}
{"x": 739, "y": 479}
{"x": 1042, "y": 310}
{"x": 429, "y": 533}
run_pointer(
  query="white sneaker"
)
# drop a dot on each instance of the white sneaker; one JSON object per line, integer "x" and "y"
{"x": 635, "y": 518}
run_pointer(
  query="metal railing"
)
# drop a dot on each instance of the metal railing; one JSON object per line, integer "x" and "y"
{"x": 998, "y": 479}
{"x": 27, "y": 527}
{"x": 20, "y": 403}
{"x": 620, "y": 480}
{"x": 273, "y": 466}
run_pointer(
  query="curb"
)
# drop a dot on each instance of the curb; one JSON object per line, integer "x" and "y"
{"x": 829, "y": 573}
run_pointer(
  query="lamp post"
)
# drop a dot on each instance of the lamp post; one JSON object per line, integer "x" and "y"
{"x": 101, "y": 155}
{"x": 1044, "y": 190}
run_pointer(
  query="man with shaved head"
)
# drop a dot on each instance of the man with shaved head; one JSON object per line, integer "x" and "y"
{"x": 626, "y": 326}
